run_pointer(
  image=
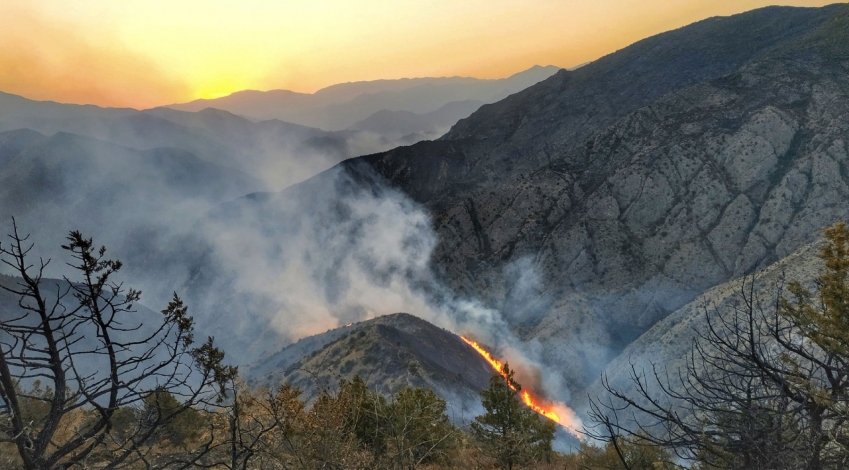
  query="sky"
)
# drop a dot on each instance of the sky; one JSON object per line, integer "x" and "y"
{"x": 145, "y": 53}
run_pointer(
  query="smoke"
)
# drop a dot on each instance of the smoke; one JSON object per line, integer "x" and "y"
{"x": 344, "y": 247}
{"x": 337, "y": 249}
{"x": 258, "y": 271}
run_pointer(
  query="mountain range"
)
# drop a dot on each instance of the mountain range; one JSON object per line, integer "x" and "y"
{"x": 342, "y": 106}
{"x": 571, "y": 226}
{"x": 259, "y": 148}
{"x": 594, "y": 204}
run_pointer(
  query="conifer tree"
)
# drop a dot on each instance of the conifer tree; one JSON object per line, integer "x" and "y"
{"x": 512, "y": 433}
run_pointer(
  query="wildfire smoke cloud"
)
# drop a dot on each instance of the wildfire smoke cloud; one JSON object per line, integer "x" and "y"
{"x": 558, "y": 412}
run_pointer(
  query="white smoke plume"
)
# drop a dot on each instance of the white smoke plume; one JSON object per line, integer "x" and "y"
{"x": 261, "y": 270}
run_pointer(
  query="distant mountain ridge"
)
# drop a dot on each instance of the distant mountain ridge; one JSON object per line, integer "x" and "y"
{"x": 281, "y": 151}
{"x": 340, "y": 106}
{"x": 287, "y": 152}
{"x": 399, "y": 124}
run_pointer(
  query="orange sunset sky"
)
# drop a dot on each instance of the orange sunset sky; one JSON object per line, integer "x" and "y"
{"x": 144, "y": 53}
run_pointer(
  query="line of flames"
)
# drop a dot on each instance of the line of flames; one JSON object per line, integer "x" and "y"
{"x": 568, "y": 420}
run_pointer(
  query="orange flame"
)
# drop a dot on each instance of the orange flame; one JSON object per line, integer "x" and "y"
{"x": 555, "y": 411}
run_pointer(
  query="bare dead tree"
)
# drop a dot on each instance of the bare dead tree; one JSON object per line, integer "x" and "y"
{"x": 755, "y": 393}
{"x": 83, "y": 338}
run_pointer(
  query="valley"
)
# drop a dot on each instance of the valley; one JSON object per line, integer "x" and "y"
{"x": 555, "y": 237}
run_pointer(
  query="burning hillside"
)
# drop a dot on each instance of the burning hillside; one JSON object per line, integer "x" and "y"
{"x": 389, "y": 353}
{"x": 393, "y": 351}
{"x": 555, "y": 411}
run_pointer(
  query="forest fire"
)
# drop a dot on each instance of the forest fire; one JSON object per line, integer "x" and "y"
{"x": 557, "y": 412}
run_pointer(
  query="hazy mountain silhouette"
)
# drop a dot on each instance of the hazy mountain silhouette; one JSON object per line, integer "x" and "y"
{"x": 339, "y": 106}
{"x": 289, "y": 152}
{"x": 398, "y": 124}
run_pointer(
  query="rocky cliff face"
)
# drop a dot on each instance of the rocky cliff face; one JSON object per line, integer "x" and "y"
{"x": 593, "y": 204}
{"x": 668, "y": 344}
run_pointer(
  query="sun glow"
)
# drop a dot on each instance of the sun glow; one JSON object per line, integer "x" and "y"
{"x": 555, "y": 411}
{"x": 220, "y": 88}
{"x": 152, "y": 52}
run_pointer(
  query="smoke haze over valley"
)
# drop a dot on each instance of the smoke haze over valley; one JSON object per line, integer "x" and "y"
{"x": 182, "y": 191}
{"x": 573, "y": 222}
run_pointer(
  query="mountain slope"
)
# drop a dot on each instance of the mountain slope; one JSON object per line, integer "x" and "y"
{"x": 138, "y": 203}
{"x": 389, "y": 352}
{"x": 668, "y": 343}
{"x": 81, "y": 339}
{"x": 278, "y": 152}
{"x": 69, "y": 168}
{"x": 526, "y": 130}
{"x": 402, "y": 123}
{"x": 625, "y": 188}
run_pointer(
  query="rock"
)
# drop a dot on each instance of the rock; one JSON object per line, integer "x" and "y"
{"x": 639, "y": 181}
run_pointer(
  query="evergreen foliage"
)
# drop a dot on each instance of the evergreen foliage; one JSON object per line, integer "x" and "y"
{"x": 514, "y": 434}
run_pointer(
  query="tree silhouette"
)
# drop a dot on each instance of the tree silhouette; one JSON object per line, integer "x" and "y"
{"x": 766, "y": 384}
{"x": 99, "y": 359}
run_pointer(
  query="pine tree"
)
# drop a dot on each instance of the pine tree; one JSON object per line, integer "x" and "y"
{"x": 418, "y": 429}
{"x": 512, "y": 433}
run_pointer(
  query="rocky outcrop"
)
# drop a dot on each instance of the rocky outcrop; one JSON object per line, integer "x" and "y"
{"x": 592, "y": 205}
{"x": 667, "y": 346}
{"x": 632, "y": 185}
